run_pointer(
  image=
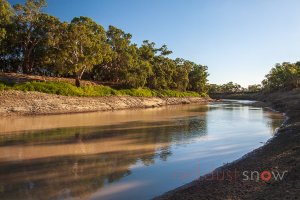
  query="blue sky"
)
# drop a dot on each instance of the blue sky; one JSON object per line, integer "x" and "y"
{"x": 239, "y": 40}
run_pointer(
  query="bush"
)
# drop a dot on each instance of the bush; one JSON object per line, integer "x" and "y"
{"x": 50, "y": 88}
{"x": 173, "y": 93}
{"x": 2, "y": 86}
{"x": 67, "y": 89}
{"x": 140, "y": 92}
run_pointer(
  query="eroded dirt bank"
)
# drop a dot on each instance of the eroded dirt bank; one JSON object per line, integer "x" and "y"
{"x": 281, "y": 153}
{"x": 35, "y": 103}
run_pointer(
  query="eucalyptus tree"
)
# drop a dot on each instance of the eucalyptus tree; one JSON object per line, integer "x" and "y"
{"x": 147, "y": 51}
{"x": 137, "y": 70}
{"x": 83, "y": 45}
{"x": 122, "y": 56}
{"x": 6, "y": 14}
{"x": 42, "y": 44}
{"x": 163, "y": 68}
{"x": 285, "y": 76}
{"x": 120, "y": 43}
{"x": 214, "y": 88}
{"x": 125, "y": 65}
{"x": 198, "y": 78}
{"x": 30, "y": 30}
{"x": 181, "y": 77}
{"x": 254, "y": 88}
{"x": 46, "y": 56}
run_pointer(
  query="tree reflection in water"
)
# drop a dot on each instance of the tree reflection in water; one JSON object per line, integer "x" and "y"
{"x": 129, "y": 147}
{"x": 75, "y": 162}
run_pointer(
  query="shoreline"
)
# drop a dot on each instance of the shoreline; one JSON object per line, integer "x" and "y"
{"x": 281, "y": 153}
{"x": 18, "y": 103}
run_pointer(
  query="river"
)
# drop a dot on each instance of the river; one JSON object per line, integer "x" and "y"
{"x": 129, "y": 154}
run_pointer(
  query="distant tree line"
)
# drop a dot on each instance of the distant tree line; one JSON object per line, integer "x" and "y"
{"x": 282, "y": 77}
{"x": 226, "y": 88}
{"x": 33, "y": 42}
{"x": 285, "y": 76}
{"x": 231, "y": 87}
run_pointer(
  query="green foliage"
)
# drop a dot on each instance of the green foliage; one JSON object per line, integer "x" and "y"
{"x": 125, "y": 66}
{"x": 174, "y": 93}
{"x": 139, "y": 92}
{"x": 144, "y": 92}
{"x": 163, "y": 71}
{"x": 229, "y": 87}
{"x": 3, "y": 86}
{"x": 84, "y": 45}
{"x": 31, "y": 30}
{"x": 181, "y": 77}
{"x": 5, "y": 18}
{"x": 254, "y": 88}
{"x": 66, "y": 89}
{"x": 285, "y": 76}
{"x": 198, "y": 78}
{"x": 41, "y": 44}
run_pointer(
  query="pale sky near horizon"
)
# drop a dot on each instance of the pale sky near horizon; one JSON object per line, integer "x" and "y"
{"x": 239, "y": 40}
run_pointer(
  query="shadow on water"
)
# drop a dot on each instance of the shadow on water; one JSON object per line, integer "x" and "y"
{"x": 188, "y": 127}
{"x": 115, "y": 160}
{"x": 104, "y": 161}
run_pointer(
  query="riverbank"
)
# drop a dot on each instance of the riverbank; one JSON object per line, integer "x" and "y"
{"x": 238, "y": 96}
{"x": 22, "y": 94}
{"x": 66, "y": 87}
{"x": 35, "y": 103}
{"x": 279, "y": 154}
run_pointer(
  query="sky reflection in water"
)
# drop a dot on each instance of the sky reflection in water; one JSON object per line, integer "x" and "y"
{"x": 135, "y": 154}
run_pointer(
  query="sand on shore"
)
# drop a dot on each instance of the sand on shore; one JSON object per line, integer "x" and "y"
{"x": 14, "y": 103}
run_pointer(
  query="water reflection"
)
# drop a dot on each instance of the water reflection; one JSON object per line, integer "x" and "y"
{"x": 86, "y": 158}
{"x": 129, "y": 159}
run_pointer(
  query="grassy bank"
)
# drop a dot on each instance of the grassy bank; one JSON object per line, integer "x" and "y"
{"x": 67, "y": 89}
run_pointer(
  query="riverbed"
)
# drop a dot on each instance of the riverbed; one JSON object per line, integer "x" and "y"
{"x": 129, "y": 154}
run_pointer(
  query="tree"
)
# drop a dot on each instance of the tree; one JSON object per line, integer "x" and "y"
{"x": 198, "y": 78}
{"x": 147, "y": 51}
{"x": 136, "y": 70}
{"x": 126, "y": 65}
{"x": 6, "y": 14}
{"x": 45, "y": 56}
{"x": 119, "y": 42}
{"x": 83, "y": 46}
{"x": 231, "y": 87}
{"x": 163, "y": 68}
{"x": 214, "y": 88}
{"x": 30, "y": 30}
{"x": 181, "y": 77}
{"x": 6, "y": 17}
{"x": 283, "y": 76}
{"x": 254, "y": 88}
{"x": 34, "y": 42}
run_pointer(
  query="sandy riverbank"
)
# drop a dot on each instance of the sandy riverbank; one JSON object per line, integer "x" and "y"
{"x": 281, "y": 153}
{"x": 35, "y": 103}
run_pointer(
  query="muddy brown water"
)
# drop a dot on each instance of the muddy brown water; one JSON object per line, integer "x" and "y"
{"x": 129, "y": 154}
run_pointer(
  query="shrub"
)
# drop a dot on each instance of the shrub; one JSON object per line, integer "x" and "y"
{"x": 67, "y": 89}
{"x": 2, "y": 86}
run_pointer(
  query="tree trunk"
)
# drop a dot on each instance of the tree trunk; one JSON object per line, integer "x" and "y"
{"x": 78, "y": 77}
{"x": 27, "y": 65}
{"x": 77, "y": 81}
